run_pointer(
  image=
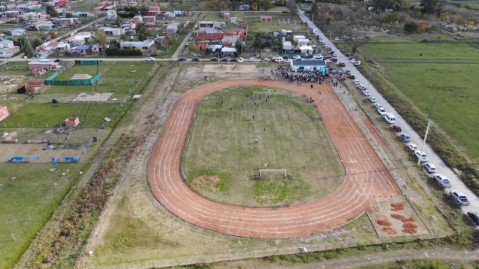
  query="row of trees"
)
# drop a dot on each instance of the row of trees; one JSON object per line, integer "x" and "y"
{"x": 234, "y": 4}
{"x": 426, "y": 6}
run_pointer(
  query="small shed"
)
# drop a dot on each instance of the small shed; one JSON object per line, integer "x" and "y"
{"x": 72, "y": 121}
{"x": 266, "y": 18}
{"x": 3, "y": 112}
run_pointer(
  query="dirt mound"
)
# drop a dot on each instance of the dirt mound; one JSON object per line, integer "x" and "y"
{"x": 397, "y": 206}
{"x": 209, "y": 182}
{"x": 402, "y": 218}
{"x": 389, "y": 230}
{"x": 383, "y": 222}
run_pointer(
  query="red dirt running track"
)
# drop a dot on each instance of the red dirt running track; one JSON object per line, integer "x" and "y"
{"x": 367, "y": 179}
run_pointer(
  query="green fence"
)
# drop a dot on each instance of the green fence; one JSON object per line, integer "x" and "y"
{"x": 51, "y": 80}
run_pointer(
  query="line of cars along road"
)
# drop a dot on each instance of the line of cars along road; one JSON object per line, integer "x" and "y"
{"x": 458, "y": 197}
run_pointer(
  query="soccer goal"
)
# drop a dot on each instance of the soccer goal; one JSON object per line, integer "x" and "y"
{"x": 269, "y": 173}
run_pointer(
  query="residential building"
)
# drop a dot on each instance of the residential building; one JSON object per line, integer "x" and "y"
{"x": 8, "y": 49}
{"x": 72, "y": 121}
{"x": 266, "y": 18}
{"x": 154, "y": 11}
{"x": 172, "y": 29}
{"x": 113, "y": 32}
{"x": 43, "y": 64}
{"x": 144, "y": 46}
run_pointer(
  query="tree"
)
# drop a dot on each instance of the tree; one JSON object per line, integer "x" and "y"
{"x": 432, "y": 6}
{"x": 101, "y": 39}
{"x": 142, "y": 31}
{"x": 410, "y": 27}
{"x": 387, "y": 4}
{"x": 51, "y": 11}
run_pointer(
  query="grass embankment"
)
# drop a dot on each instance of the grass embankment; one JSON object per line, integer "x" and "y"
{"x": 412, "y": 88}
{"x": 233, "y": 139}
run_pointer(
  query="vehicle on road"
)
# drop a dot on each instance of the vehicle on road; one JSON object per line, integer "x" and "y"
{"x": 459, "y": 197}
{"x": 181, "y": 59}
{"x": 214, "y": 59}
{"x": 397, "y": 128}
{"x": 430, "y": 168}
{"x": 372, "y": 99}
{"x": 474, "y": 217}
{"x": 225, "y": 59}
{"x": 412, "y": 147}
{"x": 196, "y": 59}
{"x": 442, "y": 180}
{"x": 381, "y": 111}
{"x": 405, "y": 138}
{"x": 150, "y": 59}
{"x": 377, "y": 105}
{"x": 341, "y": 64}
{"x": 318, "y": 56}
{"x": 421, "y": 156}
{"x": 390, "y": 118}
{"x": 366, "y": 92}
{"x": 357, "y": 63}
{"x": 240, "y": 59}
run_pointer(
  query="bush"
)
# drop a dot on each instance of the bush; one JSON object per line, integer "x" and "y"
{"x": 410, "y": 27}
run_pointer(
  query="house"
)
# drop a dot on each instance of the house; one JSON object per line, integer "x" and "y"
{"x": 286, "y": 32}
{"x": 171, "y": 29}
{"x": 113, "y": 32}
{"x": 111, "y": 15}
{"x": 145, "y": 45}
{"x": 228, "y": 51}
{"x": 287, "y": 47}
{"x": 266, "y": 18}
{"x": 85, "y": 14}
{"x": 308, "y": 66}
{"x": 72, "y": 121}
{"x": 244, "y": 7}
{"x": 297, "y": 37}
{"x": 303, "y": 41}
{"x": 3, "y": 112}
{"x": 34, "y": 85}
{"x": 66, "y": 22}
{"x": 43, "y": 64}
{"x": 154, "y": 10}
{"x": 79, "y": 50}
{"x": 44, "y": 26}
{"x": 217, "y": 25}
{"x": 17, "y": 32}
{"x": 8, "y": 49}
{"x": 202, "y": 46}
{"x": 138, "y": 19}
{"x": 215, "y": 48}
{"x": 149, "y": 20}
{"x": 209, "y": 34}
{"x": 84, "y": 35}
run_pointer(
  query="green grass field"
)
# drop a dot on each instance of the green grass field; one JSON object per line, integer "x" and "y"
{"x": 14, "y": 69}
{"x": 119, "y": 78}
{"x": 27, "y": 201}
{"x": 49, "y": 115}
{"x": 289, "y": 136}
{"x": 453, "y": 84}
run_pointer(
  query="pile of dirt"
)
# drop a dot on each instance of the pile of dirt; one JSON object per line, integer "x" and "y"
{"x": 209, "y": 182}
{"x": 397, "y": 206}
{"x": 389, "y": 230}
{"x": 383, "y": 222}
{"x": 409, "y": 228}
{"x": 402, "y": 218}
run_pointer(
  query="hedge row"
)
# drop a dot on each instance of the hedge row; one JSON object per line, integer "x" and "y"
{"x": 123, "y": 52}
{"x": 439, "y": 141}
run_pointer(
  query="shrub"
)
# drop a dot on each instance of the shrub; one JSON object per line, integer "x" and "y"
{"x": 410, "y": 27}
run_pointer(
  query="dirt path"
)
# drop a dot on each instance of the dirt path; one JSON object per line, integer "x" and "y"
{"x": 367, "y": 179}
{"x": 366, "y": 260}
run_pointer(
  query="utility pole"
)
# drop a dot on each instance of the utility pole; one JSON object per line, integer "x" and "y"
{"x": 427, "y": 129}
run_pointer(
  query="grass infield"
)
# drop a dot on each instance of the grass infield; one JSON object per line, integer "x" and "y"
{"x": 233, "y": 138}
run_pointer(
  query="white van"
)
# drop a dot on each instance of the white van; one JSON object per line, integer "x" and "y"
{"x": 277, "y": 59}
{"x": 390, "y": 118}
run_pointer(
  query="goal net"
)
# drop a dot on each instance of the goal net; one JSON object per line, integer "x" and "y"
{"x": 270, "y": 174}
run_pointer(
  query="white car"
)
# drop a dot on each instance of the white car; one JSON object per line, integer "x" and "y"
{"x": 430, "y": 168}
{"x": 150, "y": 59}
{"x": 318, "y": 56}
{"x": 240, "y": 59}
{"x": 353, "y": 60}
{"x": 356, "y": 82}
{"x": 372, "y": 99}
{"x": 412, "y": 147}
{"x": 366, "y": 92}
{"x": 377, "y": 105}
{"x": 442, "y": 180}
{"x": 297, "y": 57}
{"x": 421, "y": 156}
{"x": 357, "y": 63}
{"x": 381, "y": 111}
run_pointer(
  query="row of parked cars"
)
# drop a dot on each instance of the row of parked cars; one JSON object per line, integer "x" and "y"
{"x": 458, "y": 197}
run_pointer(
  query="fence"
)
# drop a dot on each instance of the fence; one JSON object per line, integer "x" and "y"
{"x": 51, "y": 80}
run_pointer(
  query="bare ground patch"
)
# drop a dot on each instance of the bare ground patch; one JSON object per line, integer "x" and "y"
{"x": 229, "y": 68}
{"x": 210, "y": 182}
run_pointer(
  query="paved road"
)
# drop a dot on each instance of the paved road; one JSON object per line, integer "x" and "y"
{"x": 441, "y": 167}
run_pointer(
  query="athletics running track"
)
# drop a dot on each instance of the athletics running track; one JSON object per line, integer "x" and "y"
{"x": 366, "y": 181}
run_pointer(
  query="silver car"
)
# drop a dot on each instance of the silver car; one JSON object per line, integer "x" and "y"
{"x": 459, "y": 197}
{"x": 442, "y": 180}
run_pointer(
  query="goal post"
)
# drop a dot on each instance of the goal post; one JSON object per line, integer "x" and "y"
{"x": 282, "y": 171}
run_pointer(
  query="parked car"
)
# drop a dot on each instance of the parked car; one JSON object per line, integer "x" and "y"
{"x": 459, "y": 197}
{"x": 405, "y": 138}
{"x": 297, "y": 57}
{"x": 412, "y": 147}
{"x": 377, "y": 105}
{"x": 397, "y": 128}
{"x": 372, "y": 99}
{"x": 214, "y": 59}
{"x": 225, "y": 59}
{"x": 181, "y": 59}
{"x": 357, "y": 63}
{"x": 150, "y": 59}
{"x": 381, "y": 111}
{"x": 240, "y": 59}
{"x": 318, "y": 56}
{"x": 474, "y": 217}
{"x": 430, "y": 168}
{"x": 196, "y": 59}
{"x": 341, "y": 64}
{"x": 442, "y": 180}
{"x": 366, "y": 92}
{"x": 421, "y": 156}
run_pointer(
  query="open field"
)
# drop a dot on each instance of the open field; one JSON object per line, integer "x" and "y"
{"x": 222, "y": 142}
{"x": 28, "y": 195}
{"x": 456, "y": 108}
{"x": 50, "y": 115}
{"x": 82, "y": 69}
